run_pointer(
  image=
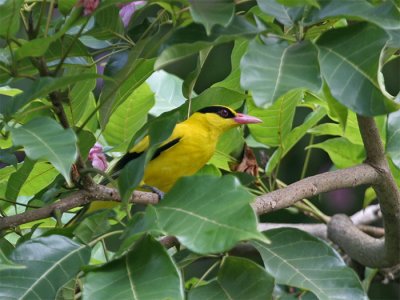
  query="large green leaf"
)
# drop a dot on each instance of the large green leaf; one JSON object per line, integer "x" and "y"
{"x": 285, "y": 15}
{"x": 393, "y": 137}
{"x": 208, "y": 214}
{"x": 349, "y": 59}
{"x": 209, "y": 14}
{"x": 44, "y": 138}
{"x": 277, "y": 119}
{"x": 167, "y": 89}
{"x": 238, "y": 278}
{"x": 129, "y": 117}
{"x": 269, "y": 71}
{"x": 191, "y": 39}
{"x": 9, "y": 17}
{"x": 301, "y": 260}
{"x": 342, "y": 152}
{"x": 382, "y": 13}
{"x": 50, "y": 263}
{"x": 146, "y": 272}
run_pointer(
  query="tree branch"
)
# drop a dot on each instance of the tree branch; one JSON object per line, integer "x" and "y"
{"x": 79, "y": 198}
{"x": 361, "y": 247}
{"x": 314, "y": 185}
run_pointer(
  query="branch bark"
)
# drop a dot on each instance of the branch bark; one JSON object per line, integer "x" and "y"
{"x": 314, "y": 185}
{"x": 359, "y": 246}
{"x": 79, "y": 198}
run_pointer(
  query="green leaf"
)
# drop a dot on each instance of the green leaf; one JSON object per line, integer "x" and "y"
{"x": 146, "y": 272}
{"x": 208, "y": 214}
{"x": 342, "y": 152}
{"x": 285, "y": 15}
{"x": 167, "y": 89}
{"x": 44, "y": 85}
{"x": 301, "y": 260}
{"x": 393, "y": 137}
{"x": 108, "y": 24}
{"x": 277, "y": 119}
{"x": 9, "y": 17}
{"x": 67, "y": 292}
{"x": 41, "y": 176}
{"x": 294, "y": 137}
{"x": 125, "y": 82}
{"x": 238, "y": 278}
{"x": 337, "y": 111}
{"x": 210, "y": 13}
{"x": 93, "y": 226}
{"x": 382, "y": 13}
{"x": 66, "y": 6}
{"x": 326, "y": 129}
{"x": 7, "y": 156}
{"x": 18, "y": 179}
{"x": 44, "y": 138}
{"x": 299, "y": 2}
{"x": 349, "y": 59}
{"x": 86, "y": 140}
{"x": 80, "y": 93}
{"x": 4, "y": 177}
{"x": 270, "y": 71}
{"x": 50, "y": 263}
{"x": 5, "y": 263}
{"x": 191, "y": 39}
{"x": 232, "y": 81}
{"x": 230, "y": 145}
{"x": 33, "y": 48}
{"x": 129, "y": 117}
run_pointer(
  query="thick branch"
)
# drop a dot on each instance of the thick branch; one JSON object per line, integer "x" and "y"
{"x": 95, "y": 193}
{"x": 314, "y": 185}
{"x": 366, "y": 250}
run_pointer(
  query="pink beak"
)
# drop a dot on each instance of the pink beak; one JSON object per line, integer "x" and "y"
{"x": 246, "y": 119}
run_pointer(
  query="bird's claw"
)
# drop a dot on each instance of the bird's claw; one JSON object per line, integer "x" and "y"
{"x": 155, "y": 190}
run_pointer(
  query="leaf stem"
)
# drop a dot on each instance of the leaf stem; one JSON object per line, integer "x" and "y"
{"x": 307, "y": 159}
{"x": 206, "y": 273}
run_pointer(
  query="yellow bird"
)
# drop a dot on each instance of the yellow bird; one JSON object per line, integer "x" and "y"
{"x": 190, "y": 146}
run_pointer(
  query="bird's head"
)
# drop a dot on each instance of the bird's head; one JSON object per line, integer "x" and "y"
{"x": 223, "y": 117}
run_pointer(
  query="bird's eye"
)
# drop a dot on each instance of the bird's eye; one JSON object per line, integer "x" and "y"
{"x": 223, "y": 113}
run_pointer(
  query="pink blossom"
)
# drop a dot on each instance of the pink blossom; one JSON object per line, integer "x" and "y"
{"x": 97, "y": 157}
{"x": 89, "y": 6}
{"x": 127, "y": 10}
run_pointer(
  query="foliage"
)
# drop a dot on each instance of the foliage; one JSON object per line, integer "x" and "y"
{"x": 69, "y": 79}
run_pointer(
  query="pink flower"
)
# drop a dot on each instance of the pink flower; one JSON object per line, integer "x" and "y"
{"x": 89, "y": 6}
{"x": 127, "y": 10}
{"x": 97, "y": 157}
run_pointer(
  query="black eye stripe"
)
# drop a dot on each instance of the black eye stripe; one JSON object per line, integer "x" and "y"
{"x": 219, "y": 110}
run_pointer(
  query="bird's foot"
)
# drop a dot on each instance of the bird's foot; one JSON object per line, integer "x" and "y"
{"x": 155, "y": 190}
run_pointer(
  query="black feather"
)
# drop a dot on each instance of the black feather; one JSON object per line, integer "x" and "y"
{"x": 222, "y": 111}
{"x": 124, "y": 160}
